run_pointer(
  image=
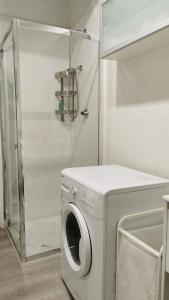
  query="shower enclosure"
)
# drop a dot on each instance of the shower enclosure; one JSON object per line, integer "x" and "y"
{"x": 49, "y": 117}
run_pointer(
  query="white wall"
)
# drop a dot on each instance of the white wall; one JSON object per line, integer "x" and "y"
{"x": 45, "y": 11}
{"x": 136, "y": 112}
{"x": 86, "y": 14}
{"x": 85, "y": 130}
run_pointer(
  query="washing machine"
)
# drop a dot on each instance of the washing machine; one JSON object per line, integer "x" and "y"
{"x": 94, "y": 199}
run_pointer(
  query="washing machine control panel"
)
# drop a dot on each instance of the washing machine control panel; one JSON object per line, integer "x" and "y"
{"x": 73, "y": 190}
{"x": 87, "y": 198}
{"x": 83, "y": 197}
{"x": 82, "y": 194}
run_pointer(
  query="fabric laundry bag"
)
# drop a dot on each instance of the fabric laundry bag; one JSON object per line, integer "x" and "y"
{"x": 139, "y": 262}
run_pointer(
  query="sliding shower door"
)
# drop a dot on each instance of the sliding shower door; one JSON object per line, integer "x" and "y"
{"x": 46, "y": 140}
{"x": 53, "y": 136}
{"x": 9, "y": 139}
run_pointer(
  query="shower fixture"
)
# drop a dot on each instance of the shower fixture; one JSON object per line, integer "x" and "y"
{"x": 68, "y": 96}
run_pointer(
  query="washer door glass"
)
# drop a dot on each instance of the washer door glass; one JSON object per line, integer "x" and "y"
{"x": 76, "y": 240}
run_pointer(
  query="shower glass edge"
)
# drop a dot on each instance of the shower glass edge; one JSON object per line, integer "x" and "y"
{"x": 10, "y": 141}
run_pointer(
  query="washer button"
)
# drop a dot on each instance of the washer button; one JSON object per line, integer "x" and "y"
{"x": 73, "y": 190}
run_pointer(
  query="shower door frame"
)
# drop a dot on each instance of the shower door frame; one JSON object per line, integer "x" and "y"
{"x": 14, "y": 29}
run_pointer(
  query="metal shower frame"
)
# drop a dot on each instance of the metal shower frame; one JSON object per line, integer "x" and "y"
{"x": 14, "y": 28}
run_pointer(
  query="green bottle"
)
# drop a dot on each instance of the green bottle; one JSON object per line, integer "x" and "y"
{"x": 61, "y": 105}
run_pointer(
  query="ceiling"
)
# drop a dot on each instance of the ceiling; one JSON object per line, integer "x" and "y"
{"x": 64, "y": 13}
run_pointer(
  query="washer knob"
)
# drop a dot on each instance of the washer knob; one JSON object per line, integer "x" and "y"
{"x": 73, "y": 190}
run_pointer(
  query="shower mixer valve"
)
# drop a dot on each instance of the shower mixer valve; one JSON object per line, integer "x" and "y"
{"x": 85, "y": 113}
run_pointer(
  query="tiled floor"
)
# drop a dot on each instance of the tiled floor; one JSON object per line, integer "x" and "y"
{"x": 38, "y": 280}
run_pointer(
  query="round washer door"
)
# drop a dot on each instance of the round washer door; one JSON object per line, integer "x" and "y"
{"x": 76, "y": 240}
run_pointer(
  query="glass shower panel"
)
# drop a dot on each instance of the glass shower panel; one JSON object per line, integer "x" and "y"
{"x": 46, "y": 139}
{"x": 56, "y": 86}
{"x": 84, "y": 57}
{"x": 10, "y": 143}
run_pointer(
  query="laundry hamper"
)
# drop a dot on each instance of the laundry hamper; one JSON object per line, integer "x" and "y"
{"x": 139, "y": 256}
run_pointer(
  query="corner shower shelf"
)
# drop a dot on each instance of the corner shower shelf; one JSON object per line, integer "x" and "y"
{"x": 65, "y": 112}
{"x": 69, "y": 73}
{"x": 70, "y": 93}
{"x": 65, "y": 93}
